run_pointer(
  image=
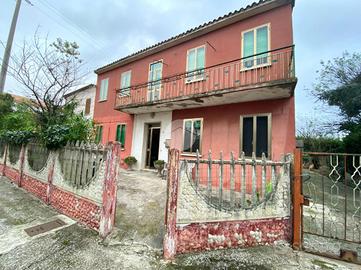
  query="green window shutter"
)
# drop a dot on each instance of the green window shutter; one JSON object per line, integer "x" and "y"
{"x": 262, "y": 39}
{"x": 117, "y": 136}
{"x": 248, "y": 48}
{"x": 200, "y": 58}
{"x": 99, "y": 134}
{"x": 122, "y": 135}
{"x": 103, "y": 89}
{"x": 262, "y": 45}
{"x": 248, "y": 43}
{"x": 106, "y": 89}
{"x": 191, "y": 61}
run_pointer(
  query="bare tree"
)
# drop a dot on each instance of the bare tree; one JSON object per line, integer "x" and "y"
{"x": 47, "y": 71}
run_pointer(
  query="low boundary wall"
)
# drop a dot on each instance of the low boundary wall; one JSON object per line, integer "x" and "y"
{"x": 79, "y": 181}
{"x": 196, "y": 223}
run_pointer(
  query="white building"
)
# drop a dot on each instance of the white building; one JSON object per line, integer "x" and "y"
{"x": 85, "y": 97}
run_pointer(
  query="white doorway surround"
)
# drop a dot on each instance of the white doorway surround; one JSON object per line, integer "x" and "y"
{"x": 140, "y": 135}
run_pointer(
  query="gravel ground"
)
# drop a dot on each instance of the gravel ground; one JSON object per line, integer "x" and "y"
{"x": 76, "y": 247}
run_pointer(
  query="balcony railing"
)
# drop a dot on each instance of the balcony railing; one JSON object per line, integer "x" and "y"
{"x": 271, "y": 66}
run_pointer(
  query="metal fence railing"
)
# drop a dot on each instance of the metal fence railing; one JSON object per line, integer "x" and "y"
{"x": 234, "y": 184}
{"x": 332, "y": 183}
{"x": 274, "y": 65}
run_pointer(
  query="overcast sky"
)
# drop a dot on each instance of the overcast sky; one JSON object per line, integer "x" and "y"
{"x": 110, "y": 29}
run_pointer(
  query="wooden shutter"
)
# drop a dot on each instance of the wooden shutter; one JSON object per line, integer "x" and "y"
{"x": 87, "y": 106}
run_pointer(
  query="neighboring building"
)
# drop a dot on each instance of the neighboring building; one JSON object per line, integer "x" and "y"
{"x": 227, "y": 85}
{"x": 85, "y": 98}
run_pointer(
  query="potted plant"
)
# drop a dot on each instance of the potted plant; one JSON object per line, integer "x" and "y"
{"x": 130, "y": 161}
{"x": 159, "y": 165}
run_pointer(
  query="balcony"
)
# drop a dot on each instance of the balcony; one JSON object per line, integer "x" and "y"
{"x": 270, "y": 75}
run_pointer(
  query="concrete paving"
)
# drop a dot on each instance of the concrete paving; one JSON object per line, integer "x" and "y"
{"x": 76, "y": 247}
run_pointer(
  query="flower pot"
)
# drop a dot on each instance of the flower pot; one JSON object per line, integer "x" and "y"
{"x": 159, "y": 167}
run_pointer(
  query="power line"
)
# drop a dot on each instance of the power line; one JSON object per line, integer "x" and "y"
{"x": 71, "y": 23}
{"x": 80, "y": 28}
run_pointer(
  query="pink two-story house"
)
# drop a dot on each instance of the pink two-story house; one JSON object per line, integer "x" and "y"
{"x": 226, "y": 85}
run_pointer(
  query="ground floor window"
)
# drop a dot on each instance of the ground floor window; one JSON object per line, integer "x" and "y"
{"x": 98, "y": 134}
{"x": 192, "y": 135}
{"x": 256, "y": 135}
{"x": 120, "y": 135}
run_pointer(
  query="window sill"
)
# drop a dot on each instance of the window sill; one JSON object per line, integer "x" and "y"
{"x": 190, "y": 155}
{"x": 256, "y": 67}
{"x": 104, "y": 100}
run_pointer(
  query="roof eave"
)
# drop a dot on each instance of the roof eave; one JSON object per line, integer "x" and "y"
{"x": 264, "y": 7}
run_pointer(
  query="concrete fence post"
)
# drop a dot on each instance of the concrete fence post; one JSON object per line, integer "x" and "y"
{"x": 5, "y": 158}
{"x": 49, "y": 187}
{"x": 109, "y": 199}
{"x": 21, "y": 168}
{"x": 170, "y": 238}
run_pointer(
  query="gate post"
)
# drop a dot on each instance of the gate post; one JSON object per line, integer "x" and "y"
{"x": 170, "y": 238}
{"x": 298, "y": 200}
{"x": 109, "y": 198}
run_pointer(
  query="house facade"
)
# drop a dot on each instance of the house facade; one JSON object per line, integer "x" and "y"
{"x": 227, "y": 85}
{"x": 85, "y": 99}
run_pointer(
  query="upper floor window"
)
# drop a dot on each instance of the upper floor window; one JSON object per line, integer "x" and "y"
{"x": 125, "y": 78}
{"x": 155, "y": 80}
{"x": 256, "y": 41}
{"x": 88, "y": 102}
{"x": 196, "y": 64}
{"x": 120, "y": 135}
{"x": 256, "y": 135}
{"x": 103, "y": 89}
{"x": 192, "y": 133}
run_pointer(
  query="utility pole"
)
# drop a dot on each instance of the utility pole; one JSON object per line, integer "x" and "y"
{"x": 9, "y": 43}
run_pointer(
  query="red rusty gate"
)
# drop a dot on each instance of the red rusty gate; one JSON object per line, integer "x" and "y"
{"x": 327, "y": 204}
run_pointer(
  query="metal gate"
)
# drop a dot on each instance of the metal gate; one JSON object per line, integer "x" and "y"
{"x": 330, "y": 204}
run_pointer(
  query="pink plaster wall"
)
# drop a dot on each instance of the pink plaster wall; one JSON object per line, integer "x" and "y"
{"x": 226, "y": 45}
{"x": 221, "y": 126}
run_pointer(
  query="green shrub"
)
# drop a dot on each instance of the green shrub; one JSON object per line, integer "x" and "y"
{"x": 17, "y": 137}
{"x": 55, "y": 136}
{"x": 130, "y": 160}
{"x": 159, "y": 163}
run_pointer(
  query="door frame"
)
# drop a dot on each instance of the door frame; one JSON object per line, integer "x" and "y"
{"x": 147, "y": 139}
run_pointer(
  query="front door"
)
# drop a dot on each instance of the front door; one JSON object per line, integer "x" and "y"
{"x": 152, "y": 144}
{"x": 155, "y": 83}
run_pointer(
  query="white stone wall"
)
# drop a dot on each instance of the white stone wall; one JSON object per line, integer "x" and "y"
{"x": 140, "y": 134}
{"x": 93, "y": 191}
{"x": 81, "y": 97}
{"x": 193, "y": 208}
